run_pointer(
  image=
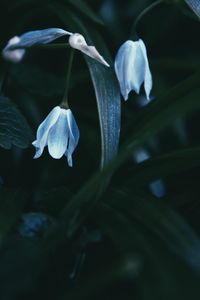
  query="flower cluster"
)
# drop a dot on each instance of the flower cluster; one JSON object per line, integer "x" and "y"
{"x": 59, "y": 130}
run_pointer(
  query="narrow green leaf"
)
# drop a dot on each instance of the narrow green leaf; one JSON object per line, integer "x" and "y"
{"x": 103, "y": 276}
{"x": 86, "y": 10}
{"x": 163, "y": 165}
{"x": 160, "y": 220}
{"x": 195, "y": 6}
{"x": 14, "y": 129}
{"x": 161, "y": 271}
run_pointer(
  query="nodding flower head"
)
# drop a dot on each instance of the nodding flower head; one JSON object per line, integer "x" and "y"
{"x": 14, "y": 55}
{"x": 15, "y": 48}
{"x": 77, "y": 41}
{"x": 132, "y": 68}
{"x": 59, "y": 132}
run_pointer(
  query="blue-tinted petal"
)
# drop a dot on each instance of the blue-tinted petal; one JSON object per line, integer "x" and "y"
{"x": 147, "y": 73}
{"x": 130, "y": 67}
{"x": 57, "y": 140}
{"x": 28, "y": 39}
{"x": 136, "y": 68}
{"x": 121, "y": 64}
{"x": 141, "y": 155}
{"x": 43, "y": 36}
{"x": 157, "y": 188}
{"x": 43, "y": 131}
{"x": 73, "y": 136}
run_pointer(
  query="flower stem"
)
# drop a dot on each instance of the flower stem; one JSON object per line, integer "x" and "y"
{"x": 64, "y": 102}
{"x": 143, "y": 13}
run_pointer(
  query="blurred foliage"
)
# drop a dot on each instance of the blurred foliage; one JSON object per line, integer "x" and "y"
{"x": 97, "y": 230}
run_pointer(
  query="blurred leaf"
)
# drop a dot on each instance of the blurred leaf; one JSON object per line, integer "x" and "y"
{"x": 21, "y": 261}
{"x": 163, "y": 165}
{"x": 14, "y": 129}
{"x": 160, "y": 269}
{"x": 160, "y": 220}
{"x": 86, "y": 10}
{"x": 52, "y": 200}
{"x": 107, "y": 274}
{"x": 37, "y": 81}
{"x": 195, "y": 6}
{"x": 11, "y": 205}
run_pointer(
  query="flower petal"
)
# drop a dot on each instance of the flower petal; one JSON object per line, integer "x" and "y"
{"x": 147, "y": 73}
{"x": 28, "y": 39}
{"x": 13, "y": 55}
{"x": 77, "y": 41}
{"x": 58, "y": 136}
{"x": 43, "y": 36}
{"x": 157, "y": 188}
{"x": 73, "y": 137}
{"x": 136, "y": 68}
{"x": 43, "y": 131}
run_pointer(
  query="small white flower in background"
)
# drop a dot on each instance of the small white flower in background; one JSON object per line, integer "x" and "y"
{"x": 132, "y": 68}
{"x": 77, "y": 41}
{"x": 59, "y": 132}
{"x": 13, "y": 55}
{"x": 157, "y": 187}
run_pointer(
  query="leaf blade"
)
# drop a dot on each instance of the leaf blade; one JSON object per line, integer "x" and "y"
{"x": 195, "y": 6}
{"x": 14, "y": 129}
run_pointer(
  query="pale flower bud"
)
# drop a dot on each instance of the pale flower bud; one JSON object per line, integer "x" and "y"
{"x": 13, "y": 55}
{"x": 77, "y": 41}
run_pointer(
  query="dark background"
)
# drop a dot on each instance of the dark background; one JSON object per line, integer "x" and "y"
{"x": 132, "y": 245}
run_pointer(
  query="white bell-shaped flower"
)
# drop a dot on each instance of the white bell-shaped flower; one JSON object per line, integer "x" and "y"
{"x": 132, "y": 68}
{"x": 59, "y": 132}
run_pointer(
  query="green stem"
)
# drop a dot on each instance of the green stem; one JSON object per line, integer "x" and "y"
{"x": 143, "y": 13}
{"x": 64, "y": 102}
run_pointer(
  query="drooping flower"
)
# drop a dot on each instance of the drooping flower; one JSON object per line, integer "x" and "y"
{"x": 77, "y": 41}
{"x": 132, "y": 68}
{"x": 59, "y": 132}
{"x": 15, "y": 48}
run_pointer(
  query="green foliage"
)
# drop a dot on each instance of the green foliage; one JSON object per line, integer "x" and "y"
{"x": 14, "y": 129}
{"x": 109, "y": 236}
